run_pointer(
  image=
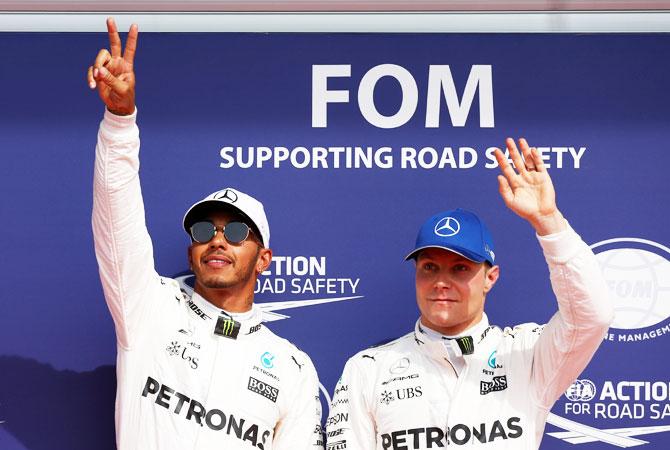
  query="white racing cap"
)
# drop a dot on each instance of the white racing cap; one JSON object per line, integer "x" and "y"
{"x": 239, "y": 201}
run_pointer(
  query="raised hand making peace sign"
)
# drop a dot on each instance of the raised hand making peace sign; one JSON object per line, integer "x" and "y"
{"x": 529, "y": 191}
{"x": 112, "y": 74}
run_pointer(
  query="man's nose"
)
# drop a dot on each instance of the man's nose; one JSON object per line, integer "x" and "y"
{"x": 219, "y": 240}
{"x": 443, "y": 282}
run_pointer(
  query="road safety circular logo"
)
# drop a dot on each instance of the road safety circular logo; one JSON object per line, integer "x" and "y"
{"x": 622, "y": 399}
{"x": 637, "y": 273}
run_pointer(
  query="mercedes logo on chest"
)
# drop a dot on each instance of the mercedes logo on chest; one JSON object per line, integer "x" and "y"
{"x": 400, "y": 366}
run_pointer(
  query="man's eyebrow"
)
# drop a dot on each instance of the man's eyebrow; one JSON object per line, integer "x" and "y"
{"x": 456, "y": 258}
{"x": 422, "y": 255}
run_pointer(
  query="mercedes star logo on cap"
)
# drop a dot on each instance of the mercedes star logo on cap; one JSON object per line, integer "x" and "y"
{"x": 447, "y": 226}
{"x": 228, "y": 195}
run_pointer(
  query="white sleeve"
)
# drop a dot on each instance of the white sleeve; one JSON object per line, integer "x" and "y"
{"x": 122, "y": 244}
{"x": 568, "y": 342}
{"x": 300, "y": 428}
{"x": 351, "y": 424}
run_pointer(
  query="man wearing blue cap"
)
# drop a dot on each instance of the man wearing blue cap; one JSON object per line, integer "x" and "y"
{"x": 456, "y": 380}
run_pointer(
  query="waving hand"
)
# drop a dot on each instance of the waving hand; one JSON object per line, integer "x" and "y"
{"x": 528, "y": 191}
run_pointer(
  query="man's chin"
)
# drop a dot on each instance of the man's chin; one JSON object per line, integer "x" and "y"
{"x": 217, "y": 283}
{"x": 440, "y": 323}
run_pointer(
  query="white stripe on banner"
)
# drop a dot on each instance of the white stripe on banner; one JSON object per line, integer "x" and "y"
{"x": 533, "y": 22}
{"x": 579, "y": 430}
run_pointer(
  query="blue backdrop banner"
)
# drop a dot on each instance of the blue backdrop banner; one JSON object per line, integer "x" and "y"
{"x": 351, "y": 141}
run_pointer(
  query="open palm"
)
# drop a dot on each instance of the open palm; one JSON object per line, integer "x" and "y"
{"x": 528, "y": 191}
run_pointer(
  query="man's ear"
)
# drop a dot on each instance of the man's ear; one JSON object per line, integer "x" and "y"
{"x": 491, "y": 276}
{"x": 190, "y": 257}
{"x": 263, "y": 261}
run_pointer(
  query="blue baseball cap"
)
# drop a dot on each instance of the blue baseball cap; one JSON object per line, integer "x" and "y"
{"x": 457, "y": 231}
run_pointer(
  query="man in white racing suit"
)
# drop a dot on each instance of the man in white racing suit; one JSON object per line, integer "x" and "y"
{"x": 200, "y": 371}
{"x": 457, "y": 381}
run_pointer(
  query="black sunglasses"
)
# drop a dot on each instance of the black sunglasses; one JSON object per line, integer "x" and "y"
{"x": 234, "y": 232}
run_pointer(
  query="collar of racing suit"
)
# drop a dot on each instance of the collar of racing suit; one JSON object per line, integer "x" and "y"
{"x": 446, "y": 348}
{"x": 249, "y": 321}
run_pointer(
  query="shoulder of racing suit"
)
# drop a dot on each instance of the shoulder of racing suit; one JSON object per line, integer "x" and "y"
{"x": 379, "y": 352}
{"x": 522, "y": 336}
{"x": 299, "y": 359}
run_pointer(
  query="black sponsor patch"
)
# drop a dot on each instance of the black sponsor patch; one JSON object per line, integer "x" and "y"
{"x": 466, "y": 344}
{"x": 227, "y": 327}
{"x": 497, "y": 384}
{"x": 264, "y": 389}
